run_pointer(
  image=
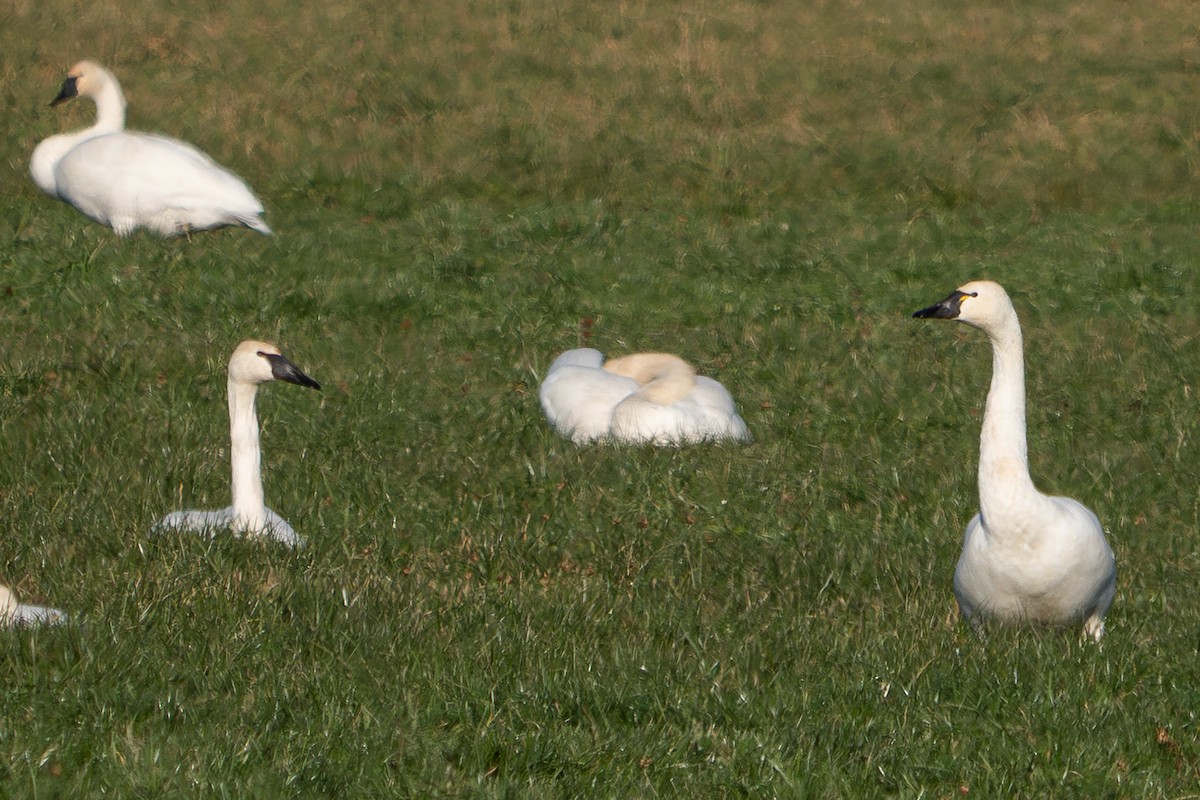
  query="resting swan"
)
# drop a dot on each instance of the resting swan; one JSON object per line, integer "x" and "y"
{"x": 13, "y": 613}
{"x": 1026, "y": 555}
{"x": 252, "y": 363}
{"x": 645, "y": 397}
{"x": 136, "y": 180}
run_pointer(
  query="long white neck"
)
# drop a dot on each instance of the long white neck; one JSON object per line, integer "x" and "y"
{"x": 110, "y": 108}
{"x": 1004, "y": 482}
{"x": 664, "y": 378}
{"x": 110, "y": 118}
{"x": 249, "y": 511}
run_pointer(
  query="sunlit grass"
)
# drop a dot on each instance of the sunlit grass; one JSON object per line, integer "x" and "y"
{"x": 460, "y": 192}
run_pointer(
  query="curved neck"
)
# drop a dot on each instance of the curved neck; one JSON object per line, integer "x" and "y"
{"x": 110, "y": 118}
{"x": 110, "y": 108}
{"x": 664, "y": 378}
{"x": 249, "y": 512}
{"x": 1004, "y": 481}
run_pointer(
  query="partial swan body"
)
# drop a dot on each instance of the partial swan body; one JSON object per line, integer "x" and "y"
{"x": 1026, "y": 555}
{"x": 129, "y": 180}
{"x": 646, "y": 397}
{"x": 253, "y": 363}
{"x": 14, "y": 614}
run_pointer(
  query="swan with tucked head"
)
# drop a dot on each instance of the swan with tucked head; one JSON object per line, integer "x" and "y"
{"x": 129, "y": 180}
{"x": 13, "y": 613}
{"x": 1025, "y": 555}
{"x": 253, "y": 363}
{"x": 644, "y": 397}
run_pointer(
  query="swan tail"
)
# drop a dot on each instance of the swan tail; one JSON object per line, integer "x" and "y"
{"x": 255, "y": 223}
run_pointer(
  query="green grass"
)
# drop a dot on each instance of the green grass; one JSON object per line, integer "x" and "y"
{"x": 461, "y": 191}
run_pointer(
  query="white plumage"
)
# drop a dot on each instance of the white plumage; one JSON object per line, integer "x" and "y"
{"x": 645, "y": 397}
{"x": 252, "y": 363}
{"x": 1026, "y": 555}
{"x": 13, "y": 613}
{"x": 128, "y": 180}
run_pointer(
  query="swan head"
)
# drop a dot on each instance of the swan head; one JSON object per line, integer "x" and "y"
{"x": 85, "y": 79}
{"x": 980, "y": 304}
{"x": 255, "y": 362}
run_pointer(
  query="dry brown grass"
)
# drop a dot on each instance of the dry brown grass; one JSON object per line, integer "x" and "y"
{"x": 999, "y": 103}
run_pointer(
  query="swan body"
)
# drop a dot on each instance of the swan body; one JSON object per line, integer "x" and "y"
{"x": 645, "y": 397}
{"x": 128, "y": 180}
{"x": 13, "y": 613}
{"x": 253, "y": 363}
{"x": 1025, "y": 555}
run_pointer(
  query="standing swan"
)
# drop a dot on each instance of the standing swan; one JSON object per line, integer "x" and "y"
{"x": 13, "y": 613}
{"x": 1026, "y": 555}
{"x": 252, "y": 363}
{"x": 645, "y": 397}
{"x": 136, "y": 180}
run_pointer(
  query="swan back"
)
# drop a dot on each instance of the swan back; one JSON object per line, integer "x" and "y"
{"x": 707, "y": 413}
{"x": 137, "y": 180}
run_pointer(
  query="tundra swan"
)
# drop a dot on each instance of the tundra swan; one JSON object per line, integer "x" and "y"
{"x": 252, "y": 363}
{"x": 136, "y": 180}
{"x": 1026, "y": 555}
{"x": 645, "y": 397}
{"x": 13, "y": 613}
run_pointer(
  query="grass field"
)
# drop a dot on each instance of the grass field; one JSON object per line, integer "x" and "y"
{"x": 459, "y": 192}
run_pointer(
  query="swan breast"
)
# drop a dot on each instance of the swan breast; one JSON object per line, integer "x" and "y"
{"x": 44, "y": 162}
{"x": 1055, "y": 567}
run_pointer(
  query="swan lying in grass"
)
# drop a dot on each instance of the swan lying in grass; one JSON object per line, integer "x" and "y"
{"x": 252, "y": 363}
{"x": 1026, "y": 555}
{"x": 13, "y": 613}
{"x": 136, "y": 180}
{"x": 645, "y": 397}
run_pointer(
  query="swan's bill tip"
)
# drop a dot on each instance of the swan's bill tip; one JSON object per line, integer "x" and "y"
{"x": 284, "y": 370}
{"x": 949, "y": 308}
{"x": 70, "y": 89}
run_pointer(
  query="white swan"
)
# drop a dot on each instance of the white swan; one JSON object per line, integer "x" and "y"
{"x": 13, "y": 613}
{"x": 252, "y": 363}
{"x": 1026, "y": 555}
{"x": 645, "y": 397}
{"x": 136, "y": 180}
